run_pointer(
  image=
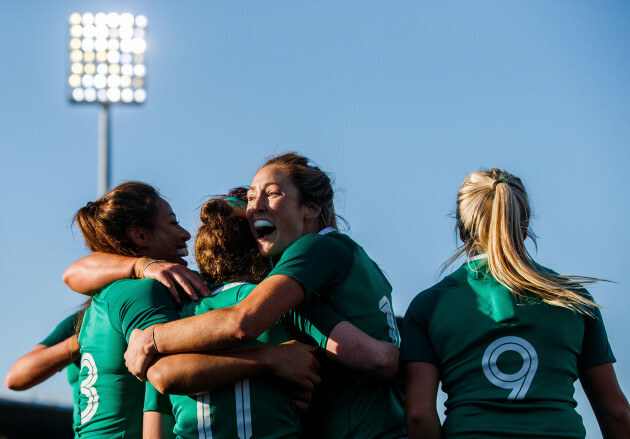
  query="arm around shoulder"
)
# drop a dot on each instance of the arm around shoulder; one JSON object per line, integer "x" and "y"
{"x": 607, "y": 400}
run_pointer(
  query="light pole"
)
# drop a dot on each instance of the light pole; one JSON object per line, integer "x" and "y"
{"x": 107, "y": 66}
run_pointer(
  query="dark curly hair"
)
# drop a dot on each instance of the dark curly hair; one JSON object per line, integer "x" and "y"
{"x": 225, "y": 247}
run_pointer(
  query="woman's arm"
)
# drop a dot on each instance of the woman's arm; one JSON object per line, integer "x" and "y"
{"x": 349, "y": 345}
{"x": 94, "y": 272}
{"x": 218, "y": 329}
{"x": 195, "y": 373}
{"x": 156, "y": 425}
{"x": 41, "y": 363}
{"x": 421, "y": 386}
{"x": 607, "y": 400}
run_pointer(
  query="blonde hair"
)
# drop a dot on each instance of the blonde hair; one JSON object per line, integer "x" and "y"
{"x": 493, "y": 216}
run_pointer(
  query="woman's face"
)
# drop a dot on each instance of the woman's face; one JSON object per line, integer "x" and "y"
{"x": 167, "y": 240}
{"x": 276, "y": 216}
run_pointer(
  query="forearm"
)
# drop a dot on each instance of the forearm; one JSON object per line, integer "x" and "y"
{"x": 354, "y": 348}
{"x": 231, "y": 326}
{"x": 97, "y": 270}
{"x": 421, "y": 386}
{"x": 423, "y": 425}
{"x": 195, "y": 373}
{"x": 41, "y": 363}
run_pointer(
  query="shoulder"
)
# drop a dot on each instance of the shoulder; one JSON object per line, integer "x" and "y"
{"x": 333, "y": 241}
{"x": 426, "y": 301}
{"x": 133, "y": 290}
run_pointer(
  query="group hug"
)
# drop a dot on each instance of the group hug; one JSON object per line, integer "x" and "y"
{"x": 288, "y": 330}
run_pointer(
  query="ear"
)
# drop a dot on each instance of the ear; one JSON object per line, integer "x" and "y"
{"x": 138, "y": 235}
{"x": 312, "y": 212}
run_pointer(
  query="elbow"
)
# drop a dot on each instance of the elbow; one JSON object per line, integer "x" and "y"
{"x": 159, "y": 378}
{"x": 14, "y": 382}
{"x": 387, "y": 365}
{"x": 244, "y": 328}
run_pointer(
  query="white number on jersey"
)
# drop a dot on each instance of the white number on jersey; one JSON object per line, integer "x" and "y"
{"x": 243, "y": 412}
{"x": 386, "y": 307}
{"x": 518, "y": 382}
{"x": 87, "y": 388}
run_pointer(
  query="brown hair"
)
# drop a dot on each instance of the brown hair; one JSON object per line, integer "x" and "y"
{"x": 493, "y": 215}
{"x": 314, "y": 185}
{"x": 104, "y": 222}
{"x": 225, "y": 248}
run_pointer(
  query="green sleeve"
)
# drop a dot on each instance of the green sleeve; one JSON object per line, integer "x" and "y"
{"x": 154, "y": 401}
{"x": 595, "y": 346}
{"x": 316, "y": 261}
{"x": 315, "y": 318}
{"x": 142, "y": 303}
{"x": 416, "y": 344}
{"x": 64, "y": 330}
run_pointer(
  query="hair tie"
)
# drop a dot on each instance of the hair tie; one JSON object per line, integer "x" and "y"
{"x": 90, "y": 204}
{"x": 500, "y": 179}
{"x": 235, "y": 202}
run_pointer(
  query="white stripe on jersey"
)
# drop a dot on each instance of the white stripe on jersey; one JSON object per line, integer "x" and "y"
{"x": 243, "y": 410}
{"x": 204, "y": 426}
{"x": 227, "y": 287}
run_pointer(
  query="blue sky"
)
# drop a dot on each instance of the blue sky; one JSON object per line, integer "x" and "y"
{"x": 399, "y": 100}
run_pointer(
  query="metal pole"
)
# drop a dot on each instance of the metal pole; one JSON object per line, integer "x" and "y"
{"x": 103, "y": 176}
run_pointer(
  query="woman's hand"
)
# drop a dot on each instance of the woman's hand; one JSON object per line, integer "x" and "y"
{"x": 174, "y": 277}
{"x": 295, "y": 363}
{"x": 140, "y": 352}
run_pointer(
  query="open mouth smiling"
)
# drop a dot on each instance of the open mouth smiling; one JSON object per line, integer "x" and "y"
{"x": 264, "y": 228}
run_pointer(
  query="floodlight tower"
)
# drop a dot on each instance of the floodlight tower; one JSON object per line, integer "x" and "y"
{"x": 107, "y": 56}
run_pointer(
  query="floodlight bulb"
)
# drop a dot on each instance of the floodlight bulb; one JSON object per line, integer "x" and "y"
{"x": 87, "y": 45}
{"x": 138, "y": 58}
{"x": 101, "y": 95}
{"x": 114, "y": 69}
{"x": 100, "y": 19}
{"x": 74, "y": 80}
{"x": 138, "y": 45}
{"x": 139, "y": 70}
{"x": 101, "y": 31}
{"x": 89, "y": 56}
{"x": 78, "y": 94}
{"x": 113, "y": 32}
{"x": 113, "y": 19}
{"x": 102, "y": 69}
{"x": 125, "y": 46}
{"x": 113, "y": 56}
{"x": 75, "y": 18}
{"x": 125, "y": 82}
{"x": 113, "y": 81}
{"x": 100, "y": 81}
{"x": 125, "y": 32}
{"x": 101, "y": 56}
{"x": 89, "y": 31}
{"x": 140, "y": 95}
{"x": 113, "y": 44}
{"x": 126, "y": 69}
{"x": 100, "y": 45}
{"x": 126, "y": 95}
{"x": 76, "y": 56}
{"x": 90, "y": 68}
{"x": 75, "y": 43}
{"x": 139, "y": 32}
{"x": 76, "y": 68}
{"x": 113, "y": 94}
{"x": 87, "y": 81}
{"x": 141, "y": 21}
{"x": 87, "y": 18}
{"x": 126, "y": 19}
{"x": 76, "y": 30}
{"x": 90, "y": 95}
{"x": 137, "y": 82}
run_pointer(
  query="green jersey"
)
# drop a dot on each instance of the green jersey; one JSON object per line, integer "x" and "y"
{"x": 348, "y": 402}
{"x": 508, "y": 366}
{"x": 63, "y": 331}
{"x": 111, "y": 399}
{"x": 254, "y": 407}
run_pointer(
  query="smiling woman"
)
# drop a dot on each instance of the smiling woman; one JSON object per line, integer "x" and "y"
{"x": 291, "y": 213}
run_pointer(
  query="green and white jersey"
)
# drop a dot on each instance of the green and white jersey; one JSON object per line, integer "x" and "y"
{"x": 255, "y": 407}
{"x": 349, "y": 403}
{"x": 111, "y": 400}
{"x": 508, "y": 366}
{"x": 64, "y": 330}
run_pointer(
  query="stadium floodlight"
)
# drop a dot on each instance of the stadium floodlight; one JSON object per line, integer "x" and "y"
{"x": 107, "y": 66}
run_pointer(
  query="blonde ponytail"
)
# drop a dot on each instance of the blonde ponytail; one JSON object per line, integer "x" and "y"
{"x": 493, "y": 216}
